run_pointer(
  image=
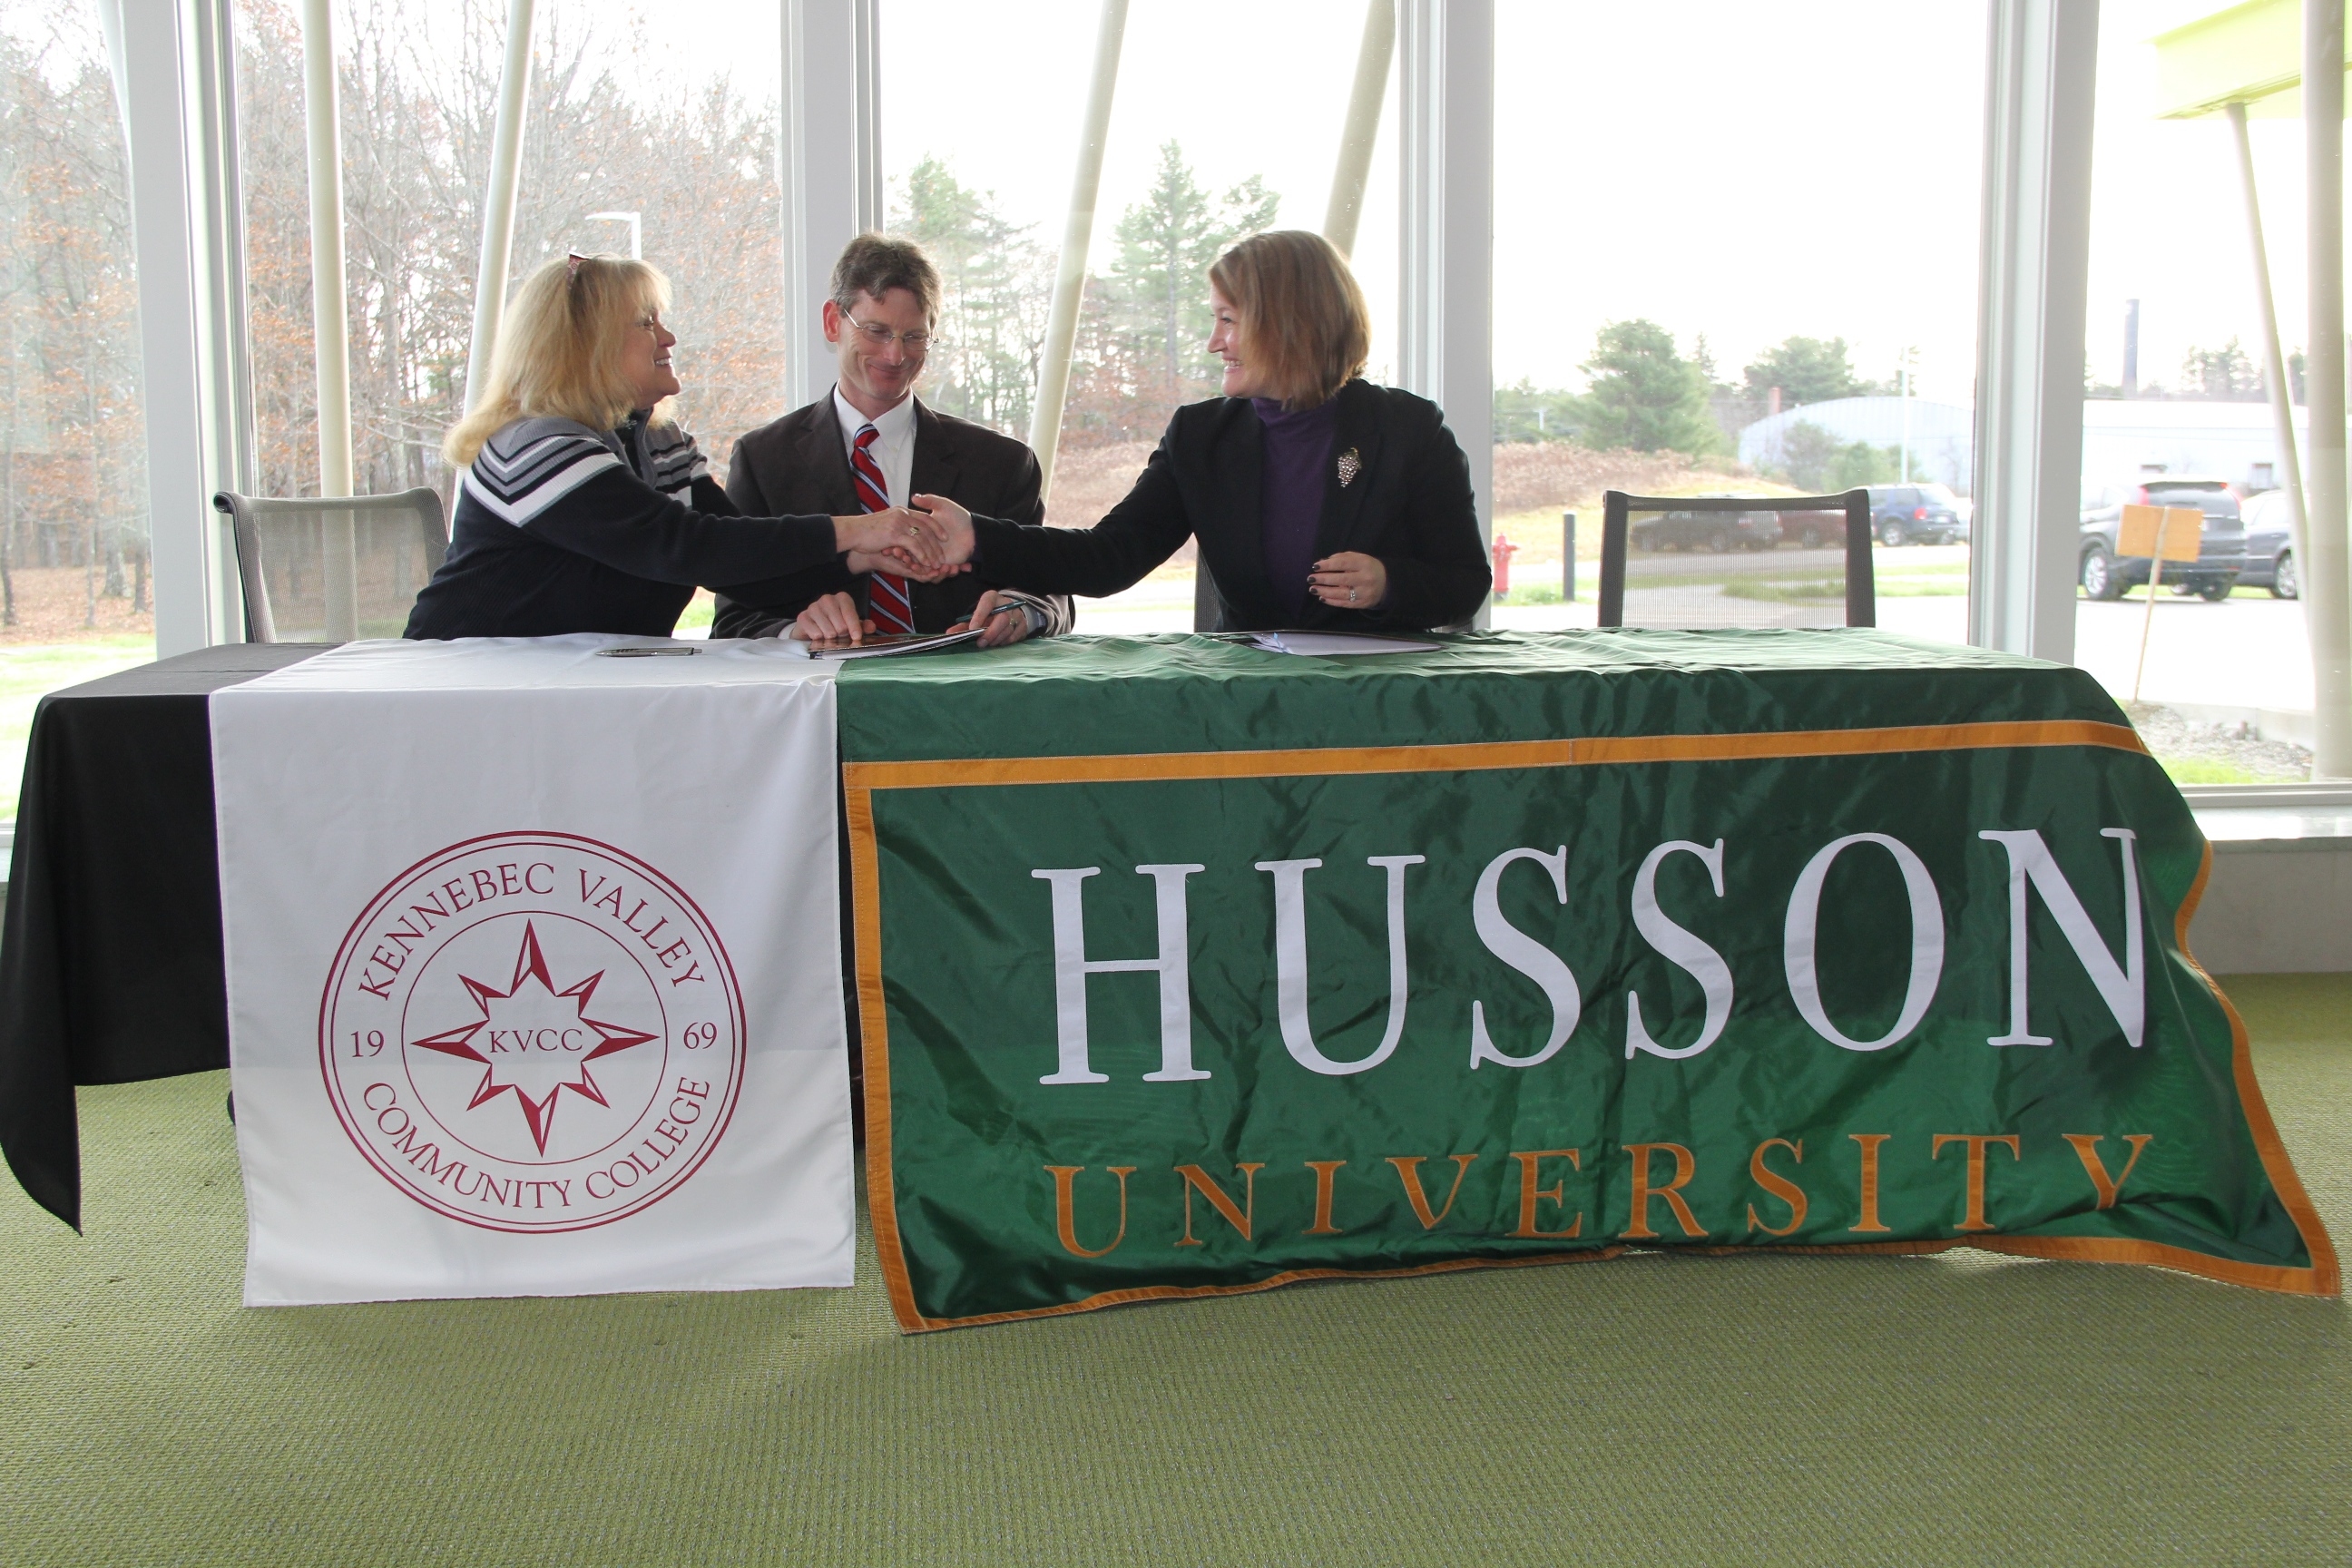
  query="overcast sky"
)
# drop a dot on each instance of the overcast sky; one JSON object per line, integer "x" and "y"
{"x": 1739, "y": 170}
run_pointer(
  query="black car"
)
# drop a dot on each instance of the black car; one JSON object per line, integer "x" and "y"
{"x": 2220, "y": 556}
{"x": 1716, "y": 530}
{"x": 2270, "y": 547}
{"x": 1916, "y": 514}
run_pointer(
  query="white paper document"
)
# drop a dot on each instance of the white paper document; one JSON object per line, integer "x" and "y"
{"x": 1322, "y": 644}
{"x": 534, "y": 970}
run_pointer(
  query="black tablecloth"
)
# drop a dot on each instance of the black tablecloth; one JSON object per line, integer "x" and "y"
{"x": 111, "y": 961}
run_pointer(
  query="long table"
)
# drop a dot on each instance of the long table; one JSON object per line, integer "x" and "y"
{"x": 110, "y": 955}
{"x": 1186, "y": 968}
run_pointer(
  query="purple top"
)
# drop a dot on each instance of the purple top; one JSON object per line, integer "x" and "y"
{"x": 1290, "y": 493}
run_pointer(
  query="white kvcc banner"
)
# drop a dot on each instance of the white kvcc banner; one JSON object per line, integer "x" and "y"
{"x": 535, "y": 972}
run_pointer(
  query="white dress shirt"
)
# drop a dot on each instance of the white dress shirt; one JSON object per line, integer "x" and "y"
{"x": 894, "y": 453}
{"x": 894, "y": 442}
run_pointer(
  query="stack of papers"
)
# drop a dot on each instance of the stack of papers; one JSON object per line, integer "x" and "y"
{"x": 1318, "y": 645}
{"x": 882, "y": 644}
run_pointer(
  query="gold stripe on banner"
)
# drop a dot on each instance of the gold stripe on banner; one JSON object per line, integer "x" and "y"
{"x": 861, "y": 779}
{"x": 873, "y": 1031}
{"x": 1309, "y": 762}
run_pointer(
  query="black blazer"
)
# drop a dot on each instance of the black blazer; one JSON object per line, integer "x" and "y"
{"x": 802, "y": 459}
{"x": 1410, "y": 504}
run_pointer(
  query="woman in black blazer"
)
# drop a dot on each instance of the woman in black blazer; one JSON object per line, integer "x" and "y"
{"x": 1319, "y": 501}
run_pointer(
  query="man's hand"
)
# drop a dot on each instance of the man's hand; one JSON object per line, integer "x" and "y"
{"x": 949, "y": 526}
{"x": 912, "y": 541}
{"x": 1009, "y": 627}
{"x": 833, "y": 618}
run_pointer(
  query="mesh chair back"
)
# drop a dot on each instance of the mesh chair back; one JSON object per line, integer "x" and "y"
{"x": 1691, "y": 562}
{"x": 334, "y": 569}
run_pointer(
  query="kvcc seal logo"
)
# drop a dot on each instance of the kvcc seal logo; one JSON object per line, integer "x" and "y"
{"x": 532, "y": 1032}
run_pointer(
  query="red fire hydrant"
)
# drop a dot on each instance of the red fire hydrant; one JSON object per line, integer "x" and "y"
{"x": 1504, "y": 551}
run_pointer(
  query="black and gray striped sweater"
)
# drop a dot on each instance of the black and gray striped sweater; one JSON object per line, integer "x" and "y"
{"x": 561, "y": 528}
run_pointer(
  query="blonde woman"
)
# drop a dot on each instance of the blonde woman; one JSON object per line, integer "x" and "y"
{"x": 584, "y": 508}
{"x": 1319, "y": 499}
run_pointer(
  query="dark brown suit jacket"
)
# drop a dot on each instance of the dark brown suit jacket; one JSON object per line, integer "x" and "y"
{"x": 798, "y": 465}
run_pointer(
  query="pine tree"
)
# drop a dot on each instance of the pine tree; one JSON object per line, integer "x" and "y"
{"x": 1643, "y": 394}
{"x": 1159, "y": 285}
{"x": 994, "y": 282}
{"x": 1806, "y": 370}
{"x": 2226, "y": 374}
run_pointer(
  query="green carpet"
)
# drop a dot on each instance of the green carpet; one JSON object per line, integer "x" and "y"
{"x": 1651, "y": 1410}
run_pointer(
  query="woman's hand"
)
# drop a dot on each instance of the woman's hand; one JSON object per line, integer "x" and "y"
{"x": 833, "y": 618}
{"x": 1350, "y": 581}
{"x": 951, "y": 526}
{"x": 910, "y": 541}
{"x": 1009, "y": 627}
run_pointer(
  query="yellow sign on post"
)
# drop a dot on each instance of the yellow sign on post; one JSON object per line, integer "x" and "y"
{"x": 2161, "y": 534}
{"x": 2178, "y": 529}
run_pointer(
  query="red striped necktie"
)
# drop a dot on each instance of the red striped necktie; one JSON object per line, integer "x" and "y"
{"x": 886, "y": 593}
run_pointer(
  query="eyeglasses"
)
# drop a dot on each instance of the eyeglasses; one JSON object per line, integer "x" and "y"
{"x": 882, "y": 337}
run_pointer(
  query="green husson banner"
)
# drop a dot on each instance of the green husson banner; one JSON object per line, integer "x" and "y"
{"x": 1187, "y": 968}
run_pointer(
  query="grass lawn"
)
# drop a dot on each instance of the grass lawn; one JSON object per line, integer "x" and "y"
{"x": 28, "y": 674}
{"x": 2214, "y": 771}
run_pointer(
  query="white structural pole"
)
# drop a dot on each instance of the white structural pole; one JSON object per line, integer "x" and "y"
{"x": 175, "y": 90}
{"x": 217, "y": 190}
{"x": 829, "y": 168}
{"x": 322, "y": 107}
{"x": 1445, "y": 129}
{"x": 2033, "y": 283}
{"x": 2290, "y": 470}
{"x": 499, "y": 199}
{"x": 2326, "y": 580}
{"x": 1362, "y": 129}
{"x": 1077, "y": 235}
{"x": 330, "y": 326}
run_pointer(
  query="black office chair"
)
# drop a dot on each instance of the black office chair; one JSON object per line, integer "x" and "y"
{"x": 1695, "y": 562}
{"x": 336, "y": 569}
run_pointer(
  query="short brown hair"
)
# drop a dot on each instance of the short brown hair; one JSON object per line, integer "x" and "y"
{"x": 559, "y": 349}
{"x": 874, "y": 264}
{"x": 1302, "y": 314}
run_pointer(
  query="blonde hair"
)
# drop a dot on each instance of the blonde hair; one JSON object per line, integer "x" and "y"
{"x": 559, "y": 349}
{"x": 1302, "y": 315}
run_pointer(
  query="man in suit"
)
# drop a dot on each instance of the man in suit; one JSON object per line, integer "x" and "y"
{"x": 872, "y": 443}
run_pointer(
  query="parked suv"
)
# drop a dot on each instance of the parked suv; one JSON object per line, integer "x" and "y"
{"x": 2219, "y": 558}
{"x": 1916, "y": 514}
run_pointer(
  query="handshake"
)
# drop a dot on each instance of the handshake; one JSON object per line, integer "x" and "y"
{"x": 927, "y": 539}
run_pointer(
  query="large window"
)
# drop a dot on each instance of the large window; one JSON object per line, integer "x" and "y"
{"x": 657, "y": 135}
{"x": 2177, "y": 415}
{"x": 74, "y": 592}
{"x": 1736, "y": 252}
{"x": 1227, "y": 120}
